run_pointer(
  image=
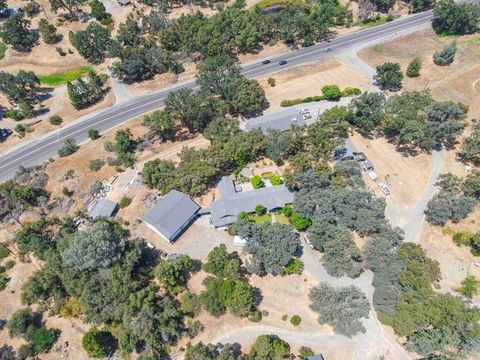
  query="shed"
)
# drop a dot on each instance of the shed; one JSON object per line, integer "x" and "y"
{"x": 314, "y": 357}
{"x": 103, "y": 208}
{"x": 172, "y": 214}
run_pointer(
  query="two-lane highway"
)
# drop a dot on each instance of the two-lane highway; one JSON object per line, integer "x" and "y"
{"x": 36, "y": 152}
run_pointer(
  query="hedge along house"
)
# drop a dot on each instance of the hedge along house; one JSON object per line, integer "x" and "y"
{"x": 172, "y": 215}
{"x": 234, "y": 201}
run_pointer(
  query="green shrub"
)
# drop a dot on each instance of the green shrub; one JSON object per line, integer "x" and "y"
{"x": 9, "y": 264}
{"x": 276, "y": 179}
{"x": 3, "y": 281}
{"x": 463, "y": 238}
{"x": 66, "y": 191}
{"x": 351, "y": 91}
{"x": 300, "y": 223}
{"x": 98, "y": 344}
{"x": 95, "y": 164}
{"x": 285, "y": 317}
{"x": 108, "y": 22}
{"x": 256, "y": 316}
{"x": 68, "y": 148}
{"x": 260, "y": 210}
{"x": 331, "y": 92}
{"x": 93, "y": 134}
{"x": 469, "y": 286}
{"x": 257, "y": 182}
{"x": 446, "y": 55}
{"x": 296, "y": 320}
{"x": 55, "y": 120}
{"x": 42, "y": 340}
{"x": 3, "y": 49}
{"x": 287, "y": 210}
{"x": 125, "y": 202}
{"x": 304, "y": 352}
{"x": 14, "y": 115}
{"x": 4, "y": 252}
{"x": 413, "y": 69}
{"x": 271, "y": 82}
{"x": 191, "y": 304}
{"x": 294, "y": 266}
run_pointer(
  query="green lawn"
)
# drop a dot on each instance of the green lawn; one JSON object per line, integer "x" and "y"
{"x": 267, "y": 218}
{"x": 469, "y": 43}
{"x": 3, "y": 49}
{"x": 60, "y": 78}
{"x": 282, "y": 219}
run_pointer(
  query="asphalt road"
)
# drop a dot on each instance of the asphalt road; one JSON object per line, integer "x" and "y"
{"x": 40, "y": 150}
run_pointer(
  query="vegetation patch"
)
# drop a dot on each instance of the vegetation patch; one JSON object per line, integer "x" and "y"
{"x": 270, "y": 5}
{"x": 3, "y": 50}
{"x": 60, "y": 78}
{"x": 326, "y": 96}
{"x": 375, "y": 21}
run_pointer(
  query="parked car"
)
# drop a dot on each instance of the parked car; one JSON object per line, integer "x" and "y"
{"x": 173, "y": 256}
{"x": 384, "y": 188}
{"x": 328, "y": 49}
{"x": 282, "y": 62}
{"x": 303, "y": 111}
{"x": 265, "y": 62}
{"x": 307, "y": 240}
{"x": 4, "y": 133}
{"x": 307, "y": 116}
{"x": 367, "y": 165}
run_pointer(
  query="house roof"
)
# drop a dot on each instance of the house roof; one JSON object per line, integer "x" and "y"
{"x": 224, "y": 211}
{"x": 171, "y": 214}
{"x": 345, "y": 152}
{"x": 282, "y": 120}
{"x": 103, "y": 207}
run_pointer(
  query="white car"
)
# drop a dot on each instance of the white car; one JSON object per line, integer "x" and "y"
{"x": 304, "y": 111}
{"x": 307, "y": 240}
{"x": 384, "y": 188}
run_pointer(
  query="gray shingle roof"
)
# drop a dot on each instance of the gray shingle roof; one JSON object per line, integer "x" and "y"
{"x": 282, "y": 120}
{"x": 171, "y": 214}
{"x": 345, "y": 152}
{"x": 103, "y": 207}
{"x": 224, "y": 211}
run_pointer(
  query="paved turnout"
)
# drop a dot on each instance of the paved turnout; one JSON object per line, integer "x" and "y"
{"x": 40, "y": 150}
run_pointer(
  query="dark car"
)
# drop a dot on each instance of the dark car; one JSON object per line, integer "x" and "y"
{"x": 282, "y": 62}
{"x": 328, "y": 49}
{"x": 4, "y": 133}
{"x": 265, "y": 62}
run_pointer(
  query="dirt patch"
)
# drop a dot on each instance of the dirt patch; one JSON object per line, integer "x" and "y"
{"x": 456, "y": 262}
{"x": 405, "y": 176}
{"x": 455, "y": 82}
{"x": 308, "y": 80}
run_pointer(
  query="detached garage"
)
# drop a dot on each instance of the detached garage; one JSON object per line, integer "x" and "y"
{"x": 172, "y": 214}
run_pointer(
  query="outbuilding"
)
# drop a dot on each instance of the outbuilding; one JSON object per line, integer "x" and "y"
{"x": 172, "y": 215}
{"x": 103, "y": 208}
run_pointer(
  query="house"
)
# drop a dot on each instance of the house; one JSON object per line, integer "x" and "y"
{"x": 103, "y": 208}
{"x": 345, "y": 152}
{"x": 172, "y": 214}
{"x": 224, "y": 212}
{"x": 279, "y": 121}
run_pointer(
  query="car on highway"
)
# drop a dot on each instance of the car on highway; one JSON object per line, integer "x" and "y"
{"x": 282, "y": 62}
{"x": 5, "y": 133}
{"x": 265, "y": 62}
{"x": 328, "y": 49}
